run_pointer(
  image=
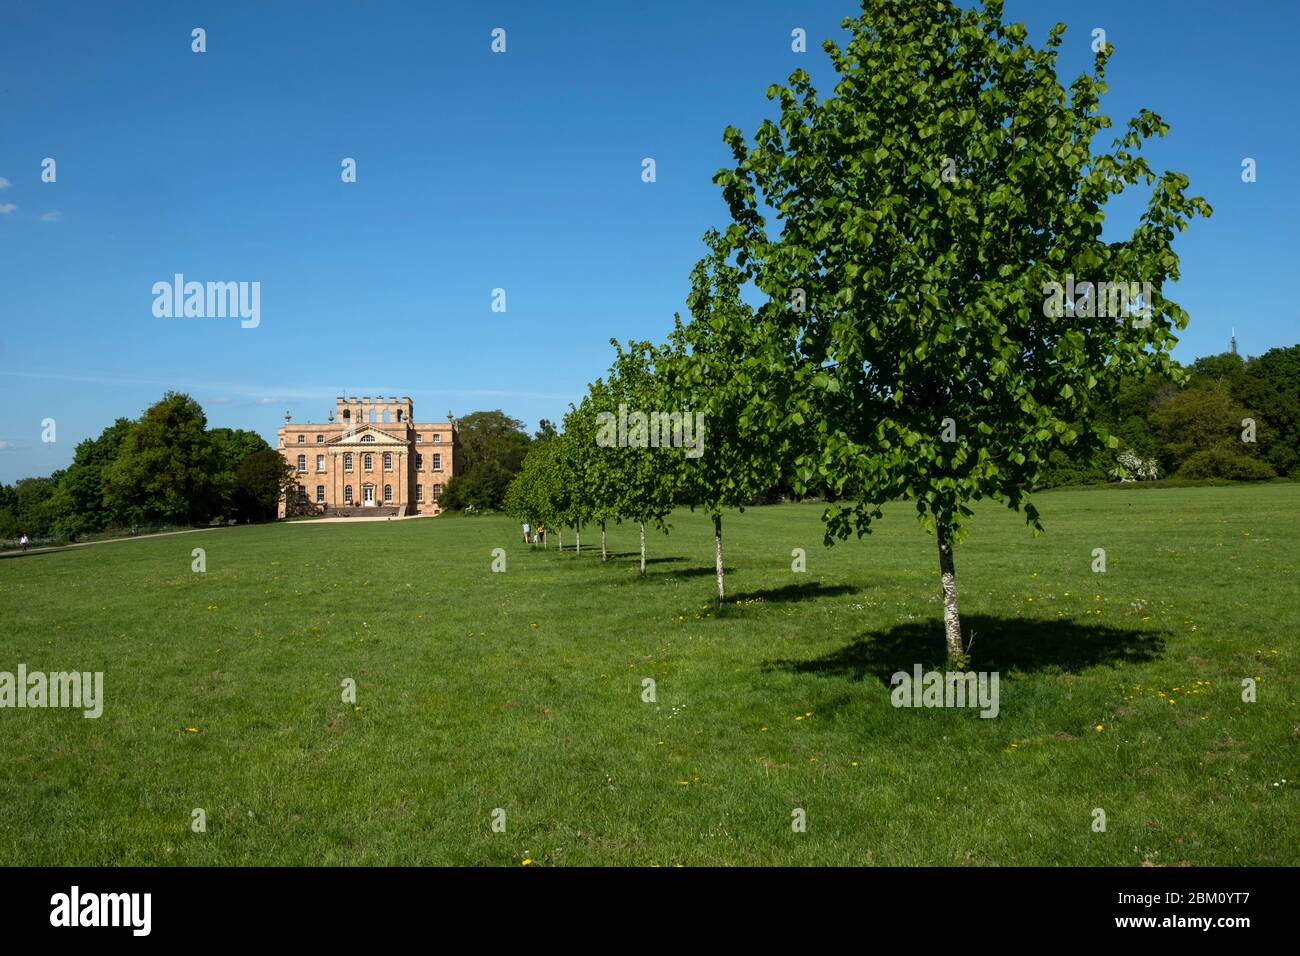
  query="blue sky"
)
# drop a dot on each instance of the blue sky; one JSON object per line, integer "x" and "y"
{"x": 477, "y": 171}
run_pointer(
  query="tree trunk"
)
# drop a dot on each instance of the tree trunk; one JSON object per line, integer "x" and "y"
{"x": 604, "y": 553}
{"x": 559, "y": 537}
{"x": 717, "y": 556}
{"x": 642, "y": 549}
{"x": 948, "y": 580}
{"x": 577, "y": 533}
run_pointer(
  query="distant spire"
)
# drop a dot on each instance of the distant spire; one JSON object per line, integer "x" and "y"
{"x": 1234, "y": 340}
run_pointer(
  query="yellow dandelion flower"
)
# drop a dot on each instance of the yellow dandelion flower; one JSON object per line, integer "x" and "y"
{"x": 1099, "y": 728}
{"x": 526, "y": 863}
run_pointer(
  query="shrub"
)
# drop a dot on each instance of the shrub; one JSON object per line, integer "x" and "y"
{"x": 1219, "y": 463}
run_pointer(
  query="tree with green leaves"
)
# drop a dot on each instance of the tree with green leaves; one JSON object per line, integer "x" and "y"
{"x": 717, "y": 368}
{"x": 261, "y": 480}
{"x": 80, "y": 501}
{"x": 595, "y": 473}
{"x": 926, "y": 215}
{"x": 634, "y": 437}
{"x": 167, "y": 467}
{"x": 492, "y": 450}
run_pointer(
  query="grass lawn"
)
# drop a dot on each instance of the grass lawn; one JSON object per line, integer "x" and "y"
{"x": 523, "y": 691}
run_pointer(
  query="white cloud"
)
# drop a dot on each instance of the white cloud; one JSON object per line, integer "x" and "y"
{"x": 6, "y": 208}
{"x": 4, "y": 183}
{"x": 52, "y": 216}
{"x": 4, "y": 445}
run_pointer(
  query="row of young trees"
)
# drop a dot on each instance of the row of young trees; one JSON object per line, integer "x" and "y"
{"x": 166, "y": 467}
{"x": 870, "y": 323}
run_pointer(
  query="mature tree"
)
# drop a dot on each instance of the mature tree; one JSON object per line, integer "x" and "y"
{"x": 80, "y": 500}
{"x": 260, "y": 481}
{"x": 492, "y": 450}
{"x": 166, "y": 468}
{"x": 545, "y": 430}
{"x": 923, "y": 213}
{"x": 1270, "y": 384}
{"x": 1201, "y": 418}
{"x": 232, "y": 446}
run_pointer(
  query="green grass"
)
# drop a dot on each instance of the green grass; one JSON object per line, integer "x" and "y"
{"x": 522, "y": 691}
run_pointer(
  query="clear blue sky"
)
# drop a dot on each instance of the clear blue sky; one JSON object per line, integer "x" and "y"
{"x": 477, "y": 171}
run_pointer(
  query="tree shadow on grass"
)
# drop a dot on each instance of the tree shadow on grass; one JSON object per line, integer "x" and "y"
{"x": 806, "y": 591}
{"x": 999, "y": 644}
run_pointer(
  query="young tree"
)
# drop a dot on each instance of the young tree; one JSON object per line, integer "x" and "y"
{"x": 923, "y": 212}
{"x": 596, "y": 472}
{"x": 717, "y": 368}
{"x": 644, "y": 466}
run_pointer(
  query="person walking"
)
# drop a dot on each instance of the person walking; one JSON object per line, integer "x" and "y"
{"x": 527, "y": 533}
{"x": 541, "y": 536}
{"x": 23, "y": 542}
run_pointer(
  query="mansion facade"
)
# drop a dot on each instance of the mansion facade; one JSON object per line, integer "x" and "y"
{"x": 370, "y": 458}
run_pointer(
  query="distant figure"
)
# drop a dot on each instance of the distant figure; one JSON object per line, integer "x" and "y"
{"x": 541, "y": 535}
{"x": 528, "y": 539}
{"x": 22, "y": 542}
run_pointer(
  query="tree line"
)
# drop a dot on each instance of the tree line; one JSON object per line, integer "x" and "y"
{"x": 872, "y": 323}
{"x": 164, "y": 468}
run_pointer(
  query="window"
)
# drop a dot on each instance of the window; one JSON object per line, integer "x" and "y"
{"x": 437, "y": 462}
{"x": 372, "y": 416}
{"x": 347, "y": 415}
{"x": 281, "y": 441}
{"x": 302, "y": 462}
{"x": 320, "y": 494}
{"x": 419, "y": 462}
{"x": 388, "y": 461}
{"x": 419, "y": 439}
{"x": 368, "y": 461}
{"x": 320, "y": 439}
{"x": 367, "y": 438}
{"x": 302, "y": 494}
{"x": 399, "y": 414}
{"x": 437, "y": 490}
{"x": 347, "y": 494}
{"x": 385, "y": 418}
{"x": 347, "y": 461}
{"x": 320, "y": 462}
{"x": 419, "y": 492}
{"x": 302, "y": 439}
{"x": 437, "y": 439}
{"x": 388, "y": 492}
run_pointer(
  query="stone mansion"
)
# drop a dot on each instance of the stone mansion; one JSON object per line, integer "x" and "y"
{"x": 370, "y": 458}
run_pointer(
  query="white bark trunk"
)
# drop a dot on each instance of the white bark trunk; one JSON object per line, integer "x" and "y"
{"x": 604, "y": 553}
{"x": 948, "y": 580}
{"x": 577, "y": 533}
{"x": 717, "y": 556}
{"x": 642, "y": 549}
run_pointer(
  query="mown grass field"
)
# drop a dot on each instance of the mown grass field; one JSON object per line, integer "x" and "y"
{"x": 523, "y": 691}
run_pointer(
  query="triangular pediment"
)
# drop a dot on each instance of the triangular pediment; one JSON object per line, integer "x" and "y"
{"x": 369, "y": 437}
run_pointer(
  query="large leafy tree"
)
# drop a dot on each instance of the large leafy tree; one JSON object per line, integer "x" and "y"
{"x": 80, "y": 500}
{"x": 231, "y": 446}
{"x": 492, "y": 450}
{"x": 919, "y": 214}
{"x": 260, "y": 481}
{"x": 167, "y": 467}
